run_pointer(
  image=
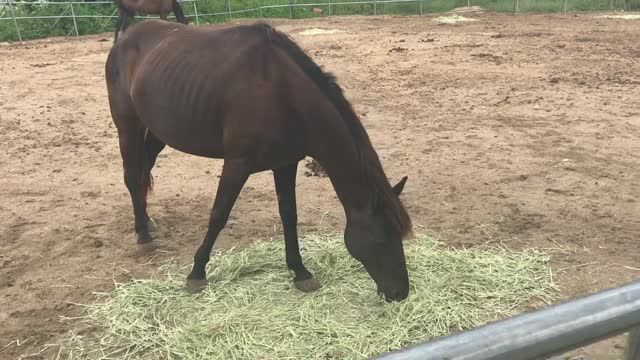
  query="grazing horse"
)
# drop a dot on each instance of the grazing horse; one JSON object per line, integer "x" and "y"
{"x": 127, "y": 10}
{"x": 251, "y": 96}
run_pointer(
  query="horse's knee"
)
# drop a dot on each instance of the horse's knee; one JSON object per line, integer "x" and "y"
{"x": 218, "y": 221}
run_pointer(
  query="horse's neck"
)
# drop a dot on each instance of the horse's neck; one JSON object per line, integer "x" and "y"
{"x": 332, "y": 142}
{"x": 346, "y": 171}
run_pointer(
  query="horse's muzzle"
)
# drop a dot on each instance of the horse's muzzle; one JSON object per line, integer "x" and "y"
{"x": 394, "y": 294}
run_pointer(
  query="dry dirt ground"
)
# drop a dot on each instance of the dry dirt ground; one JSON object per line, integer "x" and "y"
{"x": 517, "y": 130}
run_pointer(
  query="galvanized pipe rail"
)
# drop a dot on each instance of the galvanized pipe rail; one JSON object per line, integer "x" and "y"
{"x": 538, "y": 335}
{"x": 69, "y": 9}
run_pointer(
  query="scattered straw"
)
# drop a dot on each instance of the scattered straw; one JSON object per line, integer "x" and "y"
{"x": 452, "y": 19}
{"x": 252, "y": 311}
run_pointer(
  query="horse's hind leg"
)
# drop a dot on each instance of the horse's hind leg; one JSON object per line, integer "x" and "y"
{"x": 134, "y": 159}
{"x": 177, "y": 11}
{"x": 285, "y": 179}
{"x": 234, "y": 175}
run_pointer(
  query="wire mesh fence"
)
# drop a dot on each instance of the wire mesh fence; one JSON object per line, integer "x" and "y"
{"x": 22, "y": 20}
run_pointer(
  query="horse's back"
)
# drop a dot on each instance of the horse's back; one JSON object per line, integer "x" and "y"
{"x": 171, "y": 41}
{"x": 179, "y": 81}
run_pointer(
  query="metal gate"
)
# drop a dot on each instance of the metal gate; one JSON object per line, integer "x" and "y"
{"x": 544, "y": 333}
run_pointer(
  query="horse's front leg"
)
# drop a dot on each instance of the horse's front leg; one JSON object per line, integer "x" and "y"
{"x": 285, "y": 179}
{"x": 234, "y": 175}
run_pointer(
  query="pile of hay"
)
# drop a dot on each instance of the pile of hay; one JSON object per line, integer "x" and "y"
{"x": 252, "y": 311}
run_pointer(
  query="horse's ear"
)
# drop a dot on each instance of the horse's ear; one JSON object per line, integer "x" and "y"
{"x": 397, "y": 189}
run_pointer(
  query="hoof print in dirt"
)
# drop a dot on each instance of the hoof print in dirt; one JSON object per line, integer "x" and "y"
{"x": 147, "y": 247}
{"x": 398, "y": 49}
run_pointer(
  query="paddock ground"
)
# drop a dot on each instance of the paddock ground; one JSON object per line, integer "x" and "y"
{"x": 516, "y": 130}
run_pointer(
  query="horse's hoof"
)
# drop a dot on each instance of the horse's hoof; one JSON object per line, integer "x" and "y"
{"x": 307, "y": 285}
{"x": 195, "y": 286}
{"x": 147, "y": 247}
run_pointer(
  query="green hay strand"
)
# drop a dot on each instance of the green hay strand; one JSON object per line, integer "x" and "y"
{"x": 252, "y": 310}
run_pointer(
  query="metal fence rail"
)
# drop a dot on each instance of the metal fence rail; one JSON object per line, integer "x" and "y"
{"x": 544, "y": 333}
{"x": 68, "y": 9}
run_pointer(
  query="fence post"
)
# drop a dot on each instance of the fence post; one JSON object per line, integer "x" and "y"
{"x": 610, "y": 5}
{"x": 15, "y": 22}
{"x": 375, "y": 7}
{"x": 229, "y": 8}
{"x": 517, "y": 6}
{"x": 329, "y": 7}
{"x": 633, "y": 345}
{"x": 420, "y": 4}
{"x": 564, "y": 6}
{"x": 73, "y": 16}
{"x": 195, "y": 11}
{"x": 260, "y": 8}
{"x": 290, "y": 11}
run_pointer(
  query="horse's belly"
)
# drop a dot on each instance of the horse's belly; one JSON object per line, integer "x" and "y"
{"x": 196, "y": 134}
{"x": 213, "y": 150}
{"x": 177, "y": 116}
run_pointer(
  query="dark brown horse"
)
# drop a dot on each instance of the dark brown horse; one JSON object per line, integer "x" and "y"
{"x": 127, "y": 9}
{"x": 251, "y": 96}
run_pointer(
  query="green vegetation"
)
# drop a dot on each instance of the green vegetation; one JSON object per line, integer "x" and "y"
{"x": 39, "y": 28}
{"x": 252, "y": 311}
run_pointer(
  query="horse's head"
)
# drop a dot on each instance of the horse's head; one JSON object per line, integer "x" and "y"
{"x": 372, "y": 239}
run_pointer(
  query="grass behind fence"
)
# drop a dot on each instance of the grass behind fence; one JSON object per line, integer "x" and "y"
{"x": 217, "y": 11}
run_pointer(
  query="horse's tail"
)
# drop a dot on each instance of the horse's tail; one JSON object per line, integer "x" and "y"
{"x": 147, "y": 177}
{"x": 177, "y": 10}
